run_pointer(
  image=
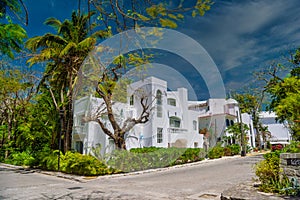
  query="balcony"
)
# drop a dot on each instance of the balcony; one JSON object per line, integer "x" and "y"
{"x": 177, "y": 130}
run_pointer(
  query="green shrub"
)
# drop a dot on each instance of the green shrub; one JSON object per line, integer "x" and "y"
{"x": 268, "y": 173}
{"x": 76, "y": 163}
{"x": 21, "y": 158}
{"x": 49, "y": 161}
{"x": 216, "y": 152}
{"x": 294, "y": 147}
{"x": 235, "y": 149}
{"x": 153, "y": 157}
{"x": 191, "y": 155}
{"x": 143, "y": 158}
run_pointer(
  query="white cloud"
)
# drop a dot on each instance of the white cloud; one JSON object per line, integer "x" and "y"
{"x": 241, "y": 33}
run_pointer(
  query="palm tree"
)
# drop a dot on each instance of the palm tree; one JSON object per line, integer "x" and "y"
{"x": 64, "y": 53}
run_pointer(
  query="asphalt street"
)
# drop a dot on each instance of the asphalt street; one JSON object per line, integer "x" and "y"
{"x": 202, "y": 180}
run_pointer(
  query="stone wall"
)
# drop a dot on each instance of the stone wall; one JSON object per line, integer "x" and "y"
{"x": 290, "y": 163}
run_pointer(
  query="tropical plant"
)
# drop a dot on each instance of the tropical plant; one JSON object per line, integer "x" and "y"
{"x": 64, "y": 53}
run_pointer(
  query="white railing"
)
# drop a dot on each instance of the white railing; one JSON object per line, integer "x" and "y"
{"x": 177, "y": 130}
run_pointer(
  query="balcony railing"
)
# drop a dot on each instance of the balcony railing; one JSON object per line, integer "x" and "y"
{"x": 177, "y": 130}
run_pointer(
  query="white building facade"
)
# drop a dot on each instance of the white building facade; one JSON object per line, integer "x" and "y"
{"x": 174, "y": 121}
{"x": 279, "y": 132}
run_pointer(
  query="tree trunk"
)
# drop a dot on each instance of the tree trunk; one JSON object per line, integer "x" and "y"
{"x": 9, "y": 129}
{"x": 258, "y": 136}
{"x": 120, "y": 143}
{"x": 69, "y": 127}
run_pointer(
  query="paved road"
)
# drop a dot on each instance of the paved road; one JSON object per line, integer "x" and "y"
{"x": 203, "y": 180}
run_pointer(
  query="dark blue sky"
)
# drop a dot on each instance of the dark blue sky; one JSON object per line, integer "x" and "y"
{"x": 240, "y": 36}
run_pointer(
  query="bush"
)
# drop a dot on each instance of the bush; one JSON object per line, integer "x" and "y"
{"x": 21, "y": 158}
{"x": 294, "y": 147}
{"x": 191, "y": 155}
{"x": 227, "y": 151}
{"x": 76, "y": 163}
{"x": 216, "y": 152}
{"x": 268, "y": 173}
{"x": 152, "y": 157}
{"x": 235, "y": 149}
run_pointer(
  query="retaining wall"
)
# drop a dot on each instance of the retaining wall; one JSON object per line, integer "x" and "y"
{"x": 290, "y": 163}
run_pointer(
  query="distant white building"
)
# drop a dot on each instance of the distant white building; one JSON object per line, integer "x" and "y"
{"x": 216, "y": 115}
{"x": 279, "y": 132}
{"x": 174, "y": 122}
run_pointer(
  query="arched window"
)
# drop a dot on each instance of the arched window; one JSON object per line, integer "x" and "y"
{"x": 227, "y": 123}
{"x": 231, "y": 122}
{"x": 159, "y": 97}
{"x": 159, "y": 103}
{"x": 131, "y": 102}
{"x": 195, "y": 125}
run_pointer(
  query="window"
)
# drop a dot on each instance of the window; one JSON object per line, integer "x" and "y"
{"x": 131, "y": 102}
{"x": 171, "y": 102}
{"x": 159, "y": 135}
{"x": 195, "y": 125}
{"x": 158, "y": 97}
{"x": 195, "y": 144}
{"x": 174, "y": 122}
{"x": 158, "y": 103}
{"x": 227, "y": 123}
{"x": 79, "y": 146}
{"x": 231, "y": 122}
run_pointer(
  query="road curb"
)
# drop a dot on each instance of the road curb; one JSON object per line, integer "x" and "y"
{"x": 83, "y": 179}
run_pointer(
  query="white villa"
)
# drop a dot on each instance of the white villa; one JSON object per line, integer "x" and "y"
{"x": 279, "y": 132}
{"x": 174, "y": 122}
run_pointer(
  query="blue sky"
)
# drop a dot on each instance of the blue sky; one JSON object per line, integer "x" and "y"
{"x": 240, "y": 35}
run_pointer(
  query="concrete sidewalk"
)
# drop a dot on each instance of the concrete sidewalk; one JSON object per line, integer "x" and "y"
{"x": 249, "y": 191}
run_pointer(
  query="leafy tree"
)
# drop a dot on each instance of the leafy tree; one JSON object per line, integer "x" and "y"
{"x": 251, "y": 103}
{"x": 16, "y": 92}
{"x": 39, "y": 128}
{"x": 285, "y": 95}
{"x": 11, "y": 34}
{"x": 133, "y": 14}
{"x": 64, "y": 53}
{"x": 286, "y": 102}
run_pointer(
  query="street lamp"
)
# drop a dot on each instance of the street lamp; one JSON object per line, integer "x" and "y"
{"x": 61, "y": 115}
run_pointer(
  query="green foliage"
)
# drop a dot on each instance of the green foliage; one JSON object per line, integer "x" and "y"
{"x": 268, "y": 172}
{"x": 234, "y": 149}
{"x": 75, "y": 163}
{"x": 11, "y": 38}
{"x": 236, "y": 132}
{"x": 294, "y": 147}
{"x": 285, "y": 96}
{"x": 11, "y": 34}
{"x": 152, "y": 157}
{"x": 133, "y": 14}
{"x": 216, "y": 152}
{"x": 21, "y": 158}
{"x": 64, "y": 53}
